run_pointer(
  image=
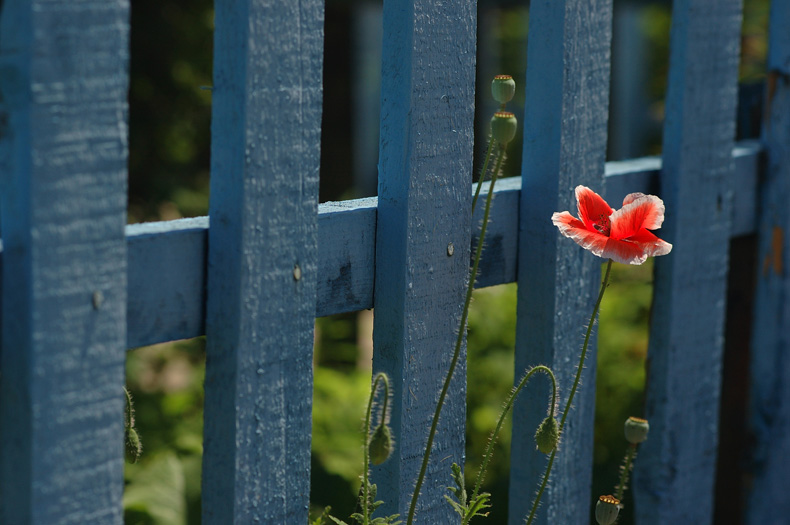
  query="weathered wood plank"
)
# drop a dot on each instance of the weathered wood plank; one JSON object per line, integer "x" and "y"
{"x": 262, "y": 261}
{"x": 675, "y": 474}
{"x": 424, "y": 204}
{"x": 167, "y": 281}
{"x": 769, "y": 408}
{"x": 63, "y": 79}
{"x": 167, "y": 300}
{"x": 564, "y": 145}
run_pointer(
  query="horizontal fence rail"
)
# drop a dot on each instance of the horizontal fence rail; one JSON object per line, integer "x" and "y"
{"x": 167, "y": 260}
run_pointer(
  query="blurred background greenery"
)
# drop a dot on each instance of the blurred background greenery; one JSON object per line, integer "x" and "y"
{"x": 170, "y": 113}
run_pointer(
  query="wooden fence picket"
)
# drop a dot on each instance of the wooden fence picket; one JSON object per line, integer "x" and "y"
{"x": 564, "y": 146}
{"x": 63, "y": 151}
{"x": 262, "y": 261}
{"x": 676, "y": 470}
{"x": 422, "y": 238}
{"x": 769, "y": 425}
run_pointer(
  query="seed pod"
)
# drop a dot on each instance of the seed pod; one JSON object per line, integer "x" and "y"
{"x": 503, "y": 87}
{"x": 606, "y": 510}
{"x": 503, "y": 126}
{"x": 636, "y": 430}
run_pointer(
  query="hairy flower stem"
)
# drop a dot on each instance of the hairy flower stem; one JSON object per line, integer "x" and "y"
{"x": 505, "y": 411}
{"x": 483, "y": 173}
{"x": 366, "y": 454}
{"x": 579, "y": 368}
{"x": 458, "y": 341}
{"x": 629, "y": 459}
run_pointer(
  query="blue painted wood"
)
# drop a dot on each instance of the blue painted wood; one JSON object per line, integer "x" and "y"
{"x": 262, "y": 261}
{"x": 63, "y": 85}
{"x": 166, "y": 301}
{"x": 769, "y": 407}
{"x": 675, "y": 475}
{"x": 167, "y": 281}
{"x": 564, "y": 145}
{"x": 346, "y": 242}
{"x": 424, "y": 205}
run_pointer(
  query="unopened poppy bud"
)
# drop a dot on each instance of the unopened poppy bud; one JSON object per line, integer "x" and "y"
{"x": 636, "y": 430}
{"x": 547, "y": 435}
{"x": 134, "y": 447}
{"x": 503, "y": 126}
{"x": 503, "y": 87}
{"x": 606, "y": 510}
{"x": 380, "y": 446}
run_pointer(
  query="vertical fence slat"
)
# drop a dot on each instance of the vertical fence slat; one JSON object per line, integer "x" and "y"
{"x": 675, "y": 473}
{"x": 262, "y": 278}
{"x": 564, "y": 145}
{"x": 769, "y": 423}
{"x": 424, "y": 205}
{"x": 63, "y": 86}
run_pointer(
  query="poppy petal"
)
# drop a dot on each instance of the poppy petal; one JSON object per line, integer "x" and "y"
{"x": 652, "y": 245}
{"x": 575, "y": 229}
{"x": 641, "y": 212}
{"x": 636, "y": 249}
{"x": 592, "y": 207}
{"x": 624, "y": 252}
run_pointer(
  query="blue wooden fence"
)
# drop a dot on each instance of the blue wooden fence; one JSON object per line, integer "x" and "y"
{"x": 79, "y": 287}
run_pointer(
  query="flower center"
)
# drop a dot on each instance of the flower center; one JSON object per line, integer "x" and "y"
{"x": 603, "y": 225}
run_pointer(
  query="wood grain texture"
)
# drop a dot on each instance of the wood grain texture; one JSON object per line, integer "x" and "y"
{"x": 674, "y": 477}
{"x": 167, "y": 281}
{"x": 63, "y": 134}
{"x": 166, "y": 301}
{"x": 262, "y": 261}
{"x": 564, "y": 145}
{"x": 769, "y": 408}
{"x": 425, "y": 169}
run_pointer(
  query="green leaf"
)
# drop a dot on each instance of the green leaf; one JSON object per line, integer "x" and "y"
{"x": 157, "y": 492}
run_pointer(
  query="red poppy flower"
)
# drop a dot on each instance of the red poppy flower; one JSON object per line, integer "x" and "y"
{"x": 621, "y": 235}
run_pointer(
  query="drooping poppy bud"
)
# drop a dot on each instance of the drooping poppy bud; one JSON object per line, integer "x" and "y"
{"x": 380, "y": 446}
{"x": 134, "y": 447}
{"x": 547, "y": 435}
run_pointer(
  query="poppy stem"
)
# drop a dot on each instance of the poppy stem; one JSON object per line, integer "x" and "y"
{"x": 483, "y": 173}
{"x": 579, "y": 368}
{"x": 505, "y": 411}
{"x": 629, "y": 459}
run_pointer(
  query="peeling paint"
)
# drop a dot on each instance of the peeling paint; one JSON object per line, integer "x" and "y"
{"x": 774, "y": 258}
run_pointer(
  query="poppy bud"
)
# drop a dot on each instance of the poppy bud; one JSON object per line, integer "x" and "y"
{"x": 503, "y": 126}
{"x": 606, "y": 510}
{"x": 380, "y": 446}
{"x": 547, "y": 435}
{"x": 503, "y": 87}
{"x": 134, "y": 447}
{"x": 636, "y": 430}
